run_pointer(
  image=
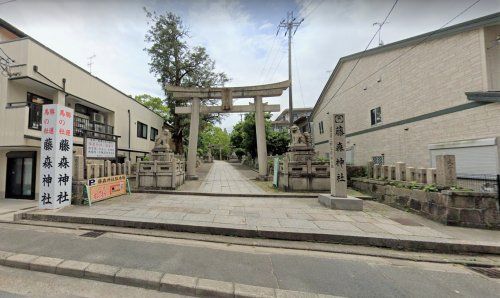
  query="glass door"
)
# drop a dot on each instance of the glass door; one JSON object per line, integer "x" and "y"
{"x": 20, "y": 175}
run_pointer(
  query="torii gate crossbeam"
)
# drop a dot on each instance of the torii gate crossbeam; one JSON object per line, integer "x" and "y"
{"x": 227, "y": 95}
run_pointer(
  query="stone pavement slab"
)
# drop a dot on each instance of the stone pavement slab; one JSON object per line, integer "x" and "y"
{"x": 277, "y": 218}
{"x": 225, "y": 178}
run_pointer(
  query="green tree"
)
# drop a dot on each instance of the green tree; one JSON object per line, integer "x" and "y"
{"x": 174, "y": 62}
{"x": 155, "y": 104}
{"x": 244, "y": 136}
{"x": 215, "y": 136}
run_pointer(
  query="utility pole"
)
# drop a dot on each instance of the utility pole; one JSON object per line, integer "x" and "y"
{"x": 290, "y": 24}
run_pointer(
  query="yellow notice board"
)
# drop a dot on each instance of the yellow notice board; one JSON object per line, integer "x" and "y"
{"x": 106, "y": 187}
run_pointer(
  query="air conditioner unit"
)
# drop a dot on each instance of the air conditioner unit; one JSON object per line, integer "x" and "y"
{"x": 99, "y": 118}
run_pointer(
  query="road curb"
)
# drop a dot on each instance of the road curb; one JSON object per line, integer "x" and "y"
{"x": 245, "y": 195}
{"x": 400, "y": 243}
{"x": 161, "y": 281}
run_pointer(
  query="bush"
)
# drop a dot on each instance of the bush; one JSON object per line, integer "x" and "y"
{"x": 355, "y": 171}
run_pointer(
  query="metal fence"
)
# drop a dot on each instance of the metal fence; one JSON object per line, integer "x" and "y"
{"x": 489, "y": 183}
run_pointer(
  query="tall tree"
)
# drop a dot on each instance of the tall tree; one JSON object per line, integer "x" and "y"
{"x": 174, "y": 62}
{"x": 155, "y": 104}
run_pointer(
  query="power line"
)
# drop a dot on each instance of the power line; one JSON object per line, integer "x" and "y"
{"x": 268, "y": 55}
{"x": 404, "y": 53}
{"x": 271, "y": 69}
{"x": 5, "y": 2}
{"x": 362, "y": 54}
{"x": 300, "y": 83}
{"x": 314, "y": 8}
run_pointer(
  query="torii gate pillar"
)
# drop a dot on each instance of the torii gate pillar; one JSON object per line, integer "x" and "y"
{"x": 261, "y": 138}
{"x": 193, "y": 139}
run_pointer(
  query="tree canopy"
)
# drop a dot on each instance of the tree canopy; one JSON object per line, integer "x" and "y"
{"x": 244, "y": 136}
{"x": 156, "y": 105}
{"x": 217, "y": 137}
{"x": 174, "y": 62}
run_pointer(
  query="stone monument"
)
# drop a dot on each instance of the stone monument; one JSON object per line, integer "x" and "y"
{"x": 233, "y": 158}
{"x": 164, "y": 170}
{"x": 338, "y": 198}
{"x": 299, "y": 171}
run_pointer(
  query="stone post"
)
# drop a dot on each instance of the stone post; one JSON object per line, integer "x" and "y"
{"x": 95, "y": 171}
{"x": 107, "y": 168}
{"x": 101, "y": 171}
{"x": 78, "y": 168}
{"x": 338, "y": 172}
{"x": 376, "y": 171}
{"x": 421, "y": 175}
{"x": 88, "y": 170}
{"x": 400, "y": 171}
{"x": 431, "y": 176}
{"x": 119, "y": 169}
{"x": 127, "y": 171}
{"x": 384, "y": 174}
{"x": 392, "y": 172}
{"x": 369, "y": 169}
{"x": 446, "y": 170}
{"x": 113, "y": 169}
{"x": 338, "y": 199}
{"x": 261, "y": 137}
{"x": 410, "y": 174}
{"x": 194, "y": 127}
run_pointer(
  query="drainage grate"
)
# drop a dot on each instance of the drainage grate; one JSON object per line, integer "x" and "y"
{"x": 93, "y": 234}
{"x": 488, "y": 271}
{"x": 406, "y": 221}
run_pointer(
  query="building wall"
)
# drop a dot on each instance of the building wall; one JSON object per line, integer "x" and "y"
{"x": 79, "y": 84}
{"x": 431, "y": 77}
{"x": 492, "y": 49}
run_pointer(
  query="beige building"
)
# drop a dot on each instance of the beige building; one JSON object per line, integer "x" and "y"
{"x": 410, "y": 100}
{"x": 37, "y": 75}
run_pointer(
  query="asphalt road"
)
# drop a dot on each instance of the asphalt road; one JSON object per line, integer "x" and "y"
{"x": 318, "y": 272}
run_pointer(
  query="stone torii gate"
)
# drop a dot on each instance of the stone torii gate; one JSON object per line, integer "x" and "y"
{"x": 227, "y": 95}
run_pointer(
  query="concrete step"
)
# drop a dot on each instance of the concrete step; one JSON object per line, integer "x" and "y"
{"x": 399, "y": 242}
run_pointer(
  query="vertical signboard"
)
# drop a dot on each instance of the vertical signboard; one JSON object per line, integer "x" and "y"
{"x": 338, "y": 171}
{"x": 56, "y": 157}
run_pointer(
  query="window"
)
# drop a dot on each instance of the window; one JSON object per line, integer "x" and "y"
{"x": 142, "y": 130}
{"x": 35, "y": 103}
{"x": 376, "y": 115}
{"x": 153, "y": 134}
{"x": 321, "y": 128}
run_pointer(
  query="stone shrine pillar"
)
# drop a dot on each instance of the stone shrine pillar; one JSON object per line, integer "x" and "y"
{"x": 338, "y": 199}
{"x": 194, "y": 127}
{"x": 261, "y": 138}
{"x": 446, "y": 170}
{"x": 400, "y": 171}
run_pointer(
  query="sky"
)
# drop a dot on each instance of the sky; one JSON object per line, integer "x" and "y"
{"x": 239, "y": 35}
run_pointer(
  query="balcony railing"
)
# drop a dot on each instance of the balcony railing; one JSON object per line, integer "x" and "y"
{"x": 80, "y": 124}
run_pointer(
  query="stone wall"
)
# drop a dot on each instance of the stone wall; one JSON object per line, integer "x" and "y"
{"x": 457, "y": 208}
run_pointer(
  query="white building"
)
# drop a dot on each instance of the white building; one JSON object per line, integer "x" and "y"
{"x": 40, "y": 76}
{"x": 410, "y": 100}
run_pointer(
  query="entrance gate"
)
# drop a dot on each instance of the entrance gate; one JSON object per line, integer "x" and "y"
{"x": 227, "y": 95}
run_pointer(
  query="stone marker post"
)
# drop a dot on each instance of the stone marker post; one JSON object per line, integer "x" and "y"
{"x": 369, "y": 169}
{"x": 107, "y": 168}
{"x": 410, "y": 174}
{"x": 431, "y": 176}
{"x": 392, "y": 172}
{"x": 338, "y": 199}
{"x": 338, "y": 171}
{"x": 446, "y": 170}
{"x": 376, "y": 171}
{"x": 400, "y": 171}
{"x": 422, "y": 175}
{"x": 384, "y": 173}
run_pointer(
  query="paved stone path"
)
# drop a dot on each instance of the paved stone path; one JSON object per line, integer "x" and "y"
{"x": 224, "y": 178}
{"x": 289, "y": 215}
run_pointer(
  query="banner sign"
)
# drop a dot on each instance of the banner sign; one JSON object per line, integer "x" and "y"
{"x": 97, "y": 148}
{"x": 106, "y": 187}
{"x": 56, "y": 157}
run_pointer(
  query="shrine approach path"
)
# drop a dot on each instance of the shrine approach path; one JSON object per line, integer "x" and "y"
{"x": 224, "y": 178}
